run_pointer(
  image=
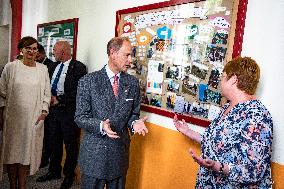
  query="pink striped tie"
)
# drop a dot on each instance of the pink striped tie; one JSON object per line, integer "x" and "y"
{"x": 115, "y": 85}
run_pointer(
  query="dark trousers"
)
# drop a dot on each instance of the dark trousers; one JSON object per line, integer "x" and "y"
{"x": 62, "y": 128}
{"x": 89, "y": 182}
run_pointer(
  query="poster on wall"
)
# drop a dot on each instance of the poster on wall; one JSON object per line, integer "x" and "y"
{"x": 49, "y": 33}
{"x": 179, "y": 51}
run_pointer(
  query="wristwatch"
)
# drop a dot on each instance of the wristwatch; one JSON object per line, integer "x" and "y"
{"x": 221, "y": 170}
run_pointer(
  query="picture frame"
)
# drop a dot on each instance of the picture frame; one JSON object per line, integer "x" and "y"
{"x": 187, "y": 83}
{"x": 49, "y": 33}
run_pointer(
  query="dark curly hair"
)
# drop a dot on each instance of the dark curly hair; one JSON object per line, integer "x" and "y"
{"x": 26, "y": 41}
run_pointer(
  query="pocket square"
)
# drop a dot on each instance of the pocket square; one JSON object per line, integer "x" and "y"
{"x": 129, "y": 99}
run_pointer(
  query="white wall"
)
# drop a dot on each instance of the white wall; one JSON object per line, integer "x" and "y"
{"x": 263, "y": 40}
{"x": 96, "y": 23}
{"x": 34, "y": 12}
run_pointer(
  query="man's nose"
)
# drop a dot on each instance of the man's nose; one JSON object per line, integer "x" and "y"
{"x": 130, "y": 59}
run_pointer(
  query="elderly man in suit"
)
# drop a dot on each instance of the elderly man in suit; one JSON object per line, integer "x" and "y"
{"x": 108, "y": 104}
{"x": 62, "y": 128}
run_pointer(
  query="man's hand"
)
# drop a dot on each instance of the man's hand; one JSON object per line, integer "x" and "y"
{"x": 53, "y": 101}
{"x": 107, "y": 129}
{"x": 181, "y": 125}
{"x": 139, "y": 126}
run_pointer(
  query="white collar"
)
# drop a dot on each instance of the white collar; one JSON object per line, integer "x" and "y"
{"x": 110, "y": 74}
{"x": 67, "y": 62}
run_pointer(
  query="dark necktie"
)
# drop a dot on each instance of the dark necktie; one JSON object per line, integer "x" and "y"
{"x": 56, "y": 79}
{"x": 115, "y": 85}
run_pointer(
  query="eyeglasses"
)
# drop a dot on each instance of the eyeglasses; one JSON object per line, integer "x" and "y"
{"x": 34, "y": 49}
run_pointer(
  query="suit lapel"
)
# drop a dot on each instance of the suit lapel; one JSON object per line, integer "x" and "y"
{"x": 70, "y": 69}
{"x": 52, "y": 68}
{"x": 123, "y": 87}
{"x": 122, "y": 92}
{"x": 107, "y": 91}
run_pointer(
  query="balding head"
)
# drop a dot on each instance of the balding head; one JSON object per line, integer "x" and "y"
{"x": 62, "y": 51}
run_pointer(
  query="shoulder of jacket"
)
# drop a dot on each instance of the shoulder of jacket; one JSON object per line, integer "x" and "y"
{"x": 88, "y": 76}
{"x": 131, "y": 78}
{"x": 77, "y": 62}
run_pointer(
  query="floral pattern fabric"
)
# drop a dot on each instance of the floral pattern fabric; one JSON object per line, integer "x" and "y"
{"x": 241, "y": 139}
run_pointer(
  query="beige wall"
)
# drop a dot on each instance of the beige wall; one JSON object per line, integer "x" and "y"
{"x": 4, "y": 47}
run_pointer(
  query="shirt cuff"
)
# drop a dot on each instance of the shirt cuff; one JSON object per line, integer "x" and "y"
{"x": 101, "y": 129}
{"x": 131, "y": 127}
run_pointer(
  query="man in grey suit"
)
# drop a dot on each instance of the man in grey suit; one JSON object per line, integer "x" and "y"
{"x": 108, "y": 104}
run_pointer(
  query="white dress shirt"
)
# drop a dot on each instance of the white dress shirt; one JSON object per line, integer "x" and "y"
{"x": 110, "y": 75}
{"x": 60, "y": 84}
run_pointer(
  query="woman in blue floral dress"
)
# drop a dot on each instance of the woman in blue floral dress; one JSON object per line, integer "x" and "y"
{"x": 236, "y": 148}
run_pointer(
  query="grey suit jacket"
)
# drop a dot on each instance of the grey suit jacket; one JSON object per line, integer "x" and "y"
{"x": 100, "y": 156}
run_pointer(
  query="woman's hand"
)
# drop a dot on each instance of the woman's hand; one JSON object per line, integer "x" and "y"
{"x": 41, "y": 117}
{"x": 210, "y": 164}
{"x": 207, "y": 163}
{"x": 181, "y": 125}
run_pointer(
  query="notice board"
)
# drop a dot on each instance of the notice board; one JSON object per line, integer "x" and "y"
{"x": 180, "y": 48}
{"x": 49, "y": 33}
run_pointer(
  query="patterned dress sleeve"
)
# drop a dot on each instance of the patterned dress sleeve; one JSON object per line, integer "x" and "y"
{"x": 253, "y": 152}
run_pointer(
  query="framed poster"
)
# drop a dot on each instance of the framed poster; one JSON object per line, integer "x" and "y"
{"x": 49, "y": 33}
{"x": 180, "y": 48}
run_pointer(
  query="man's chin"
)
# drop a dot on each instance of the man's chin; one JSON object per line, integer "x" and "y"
{"x": 124, "y": 70}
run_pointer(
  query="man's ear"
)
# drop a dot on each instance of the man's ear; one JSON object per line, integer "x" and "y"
{"x": 111, "y": 51}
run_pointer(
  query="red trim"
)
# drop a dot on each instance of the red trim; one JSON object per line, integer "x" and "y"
{"x": 166, "y": 113}
{"x": 240, "y": 27}
{"x": 237, "y": 47}
{"x": 16, "y": 6}
{"x": 117, "y": 18}
{"x": 156, "y": 6}
{"x": 75, "y": 20}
